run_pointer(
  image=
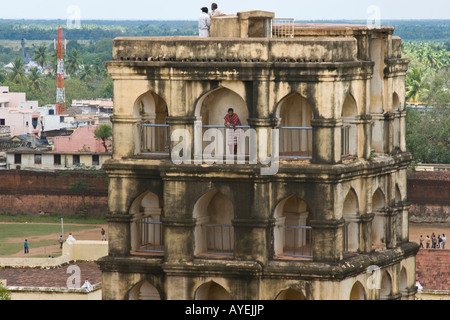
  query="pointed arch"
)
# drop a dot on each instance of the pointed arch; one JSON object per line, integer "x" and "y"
{"x": 295, "y": 114}
{"x": 403, "y": 284}
{"x": 291, "y": 294}
{"x": 212, "y": 106}
{"x": 211, "y": 291}
{"x": 213, "y": 233}
{"x": 386, "y": 286}
{"x": 357, "y": 292}
{"x": 349, "y": 108}
{"x": 379, "y": 219}
{"x": 144, "y": 291}
{"x": 145, "y": 226}
{"x": 292, "y": 231}
{"x": 151, "y": 108}
{"x": 349, "y": 116}
{"x": 350, "y": 213}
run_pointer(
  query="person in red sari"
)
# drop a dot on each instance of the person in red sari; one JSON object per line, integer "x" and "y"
{"x": 232, "y": 120}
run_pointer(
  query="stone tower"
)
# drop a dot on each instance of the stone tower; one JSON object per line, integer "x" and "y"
{"x": 314, "y": 204}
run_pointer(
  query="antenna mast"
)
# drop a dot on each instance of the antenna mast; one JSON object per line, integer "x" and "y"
{"x": 60, "y": 46}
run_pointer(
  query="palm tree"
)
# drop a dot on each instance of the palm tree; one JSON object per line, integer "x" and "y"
{"x": 34, "y": 78}
{"x": 73, "y": 63}
{"x": 415, "y": 84}
{"x": 41, "y": 56}
{"x": 17, "y": 71}
{"x": 87, "y": 73}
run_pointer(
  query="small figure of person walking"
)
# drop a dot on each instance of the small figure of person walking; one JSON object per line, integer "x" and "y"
{"x": 421, "y": 242}
{"x": 103, "y": 233}
{"x": 61, "y": 240}
{"x": 25, "y": 246}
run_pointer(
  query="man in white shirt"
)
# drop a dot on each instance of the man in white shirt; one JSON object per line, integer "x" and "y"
{"x": 204, "y": 23}
{"x": 214, "y": 11}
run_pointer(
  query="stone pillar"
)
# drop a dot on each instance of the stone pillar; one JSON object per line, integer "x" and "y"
{"x": 328, "y": 240}
{"x": 330, "y": 132}
{"x": 126, "y": 136}
{"x": 181, "y": 129}
{"x": 389, "y": 118}
{"x": 177, "y": 221}
{"x": 366, "y": 123}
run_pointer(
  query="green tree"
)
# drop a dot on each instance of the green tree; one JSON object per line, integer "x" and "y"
{"x": 34, "y": 79}
{"x": 415, "y": 84}
{"x": 41, "y": 56}
{"x": 73, "y": 63}
{"x": 104, "y": 133}
{"x": 17, "y": 72}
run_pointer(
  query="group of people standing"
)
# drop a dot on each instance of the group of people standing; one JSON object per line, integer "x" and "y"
{"x": 204, "y": 22}
{"x": 433, "y": 242}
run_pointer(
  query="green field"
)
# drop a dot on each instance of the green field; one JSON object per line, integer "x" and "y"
{"x": 14, "y": 229}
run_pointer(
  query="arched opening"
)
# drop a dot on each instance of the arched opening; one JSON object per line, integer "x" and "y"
{"x": 351, "y": 217}
{"x": 144, "y": 291}
{"x": 291, "y": 294}
{"x": 146, "y": 227}
{"x": 349, "y": 127}
{"x": 396, "y": 108}
{"x": 212, "y": 137}
{"x": 403, "y": 285}
{"x": 379, "y": 219}
{"x": 211, "y": 291}
{"x": 292, "y": 231}
{"x": 213, "y": 232}
{"x": 386, "y": 287}
{"x": 357, "y": 292}
{"x": 295, "y": 114}
{"x": 152, "y": 111}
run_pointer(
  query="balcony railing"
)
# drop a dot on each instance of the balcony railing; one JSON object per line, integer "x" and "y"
{"x": 218, "y": 141}
{"x": 150, "y": 236}
{"x": 155, "y": 139}
{"x": 296, "y": 142}
{"x": 346, "y": 140}
{"x": 298, "y": 241}
{"x": 220, "y": 239}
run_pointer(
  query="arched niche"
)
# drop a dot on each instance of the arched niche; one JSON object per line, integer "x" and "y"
{"x": 144, "y": 291}
{"x": 290, "y": 294}
{"x": 295, "y": 114}
{"x": 357, "y": 292}
{"x": 211, "y": 291}
{"x": 379, "y": 219}
{"x": 386, "y": 286}
{"x": 350, "y": 213}
{"x": 292, "y": 231}
{"x": 146, "y": 229}
{"x": 213, "y": 232}
{"x": 349, "y": 126}
{"x": 212, "y": 107}
{"x": 151, "y": 108}
{"x": 403, "y": 284}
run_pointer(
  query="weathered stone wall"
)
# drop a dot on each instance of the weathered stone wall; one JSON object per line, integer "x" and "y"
{"x": 32, "y": 192}
{"x": 429, "y": 195}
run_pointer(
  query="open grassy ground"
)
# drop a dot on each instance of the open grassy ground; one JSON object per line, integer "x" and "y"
{"x": 42, "y": 233}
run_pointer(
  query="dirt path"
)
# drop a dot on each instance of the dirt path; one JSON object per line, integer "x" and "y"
{"x": 424, "y": 229}
{"x": 54, "y": 250}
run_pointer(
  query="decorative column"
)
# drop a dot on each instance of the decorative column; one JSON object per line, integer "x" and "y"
{"x": 327, "y": 141}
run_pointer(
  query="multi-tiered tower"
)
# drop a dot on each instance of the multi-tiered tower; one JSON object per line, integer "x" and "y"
{"x": 313, "y": 207}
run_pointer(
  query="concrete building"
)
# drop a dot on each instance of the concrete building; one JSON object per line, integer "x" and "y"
{"x": 65, "y": 152}
{"x": 20, "y": 115}
{"x": 314, "y": 206}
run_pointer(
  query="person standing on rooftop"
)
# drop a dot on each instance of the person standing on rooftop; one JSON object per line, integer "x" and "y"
{"x": 214, "y": 11}
{"x": 204, "y": 23}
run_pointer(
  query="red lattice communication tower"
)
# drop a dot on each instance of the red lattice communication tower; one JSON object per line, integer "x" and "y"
{"x": 60, "y": 46}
